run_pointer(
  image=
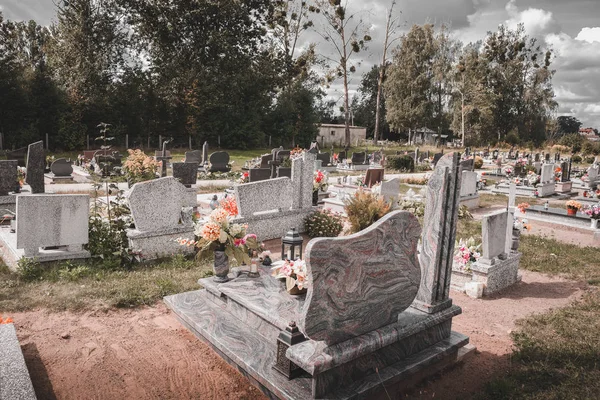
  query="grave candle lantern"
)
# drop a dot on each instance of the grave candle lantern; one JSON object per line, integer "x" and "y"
{"x": 291, "y": 245}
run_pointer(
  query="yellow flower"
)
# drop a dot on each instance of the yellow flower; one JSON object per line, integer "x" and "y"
{"x": 211, "y": 231}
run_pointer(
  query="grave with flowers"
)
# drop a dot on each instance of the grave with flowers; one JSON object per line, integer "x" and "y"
{"x": 486, "y": 268}
{"x": 376, "y": 315}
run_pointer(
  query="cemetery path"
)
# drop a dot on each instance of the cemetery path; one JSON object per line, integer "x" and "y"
{"x": 146, "y": 353}
{"x": 488, "y": 322}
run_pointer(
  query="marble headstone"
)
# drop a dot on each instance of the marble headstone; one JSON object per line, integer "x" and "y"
{"x": 374, "y": 276}
{"x": 439, "y": 235}
{"x": 8, "y": 176}
{"x": 494, "y": 237}
{"x": 36, "y": 163}
{"x": 468, "y": 183}
{"x": 547, "y": 173}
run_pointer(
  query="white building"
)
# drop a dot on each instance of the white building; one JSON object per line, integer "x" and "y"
{"x": 336, "y": 134}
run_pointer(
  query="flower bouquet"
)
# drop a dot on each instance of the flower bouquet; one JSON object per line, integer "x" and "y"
{"x": 227, "y": 240}
{"x": 522, "y": 207}
{"x": 320, "y": 181}
{"x": 573, "y": 206}
{"x": 294, "y": 273}
{"x": 467, "y": 252}
{"x": 594, "y": 213}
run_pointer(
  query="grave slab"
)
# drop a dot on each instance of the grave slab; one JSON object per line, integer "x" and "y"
{"x": 36, "y": 163}
{"x": 15, "y": 383}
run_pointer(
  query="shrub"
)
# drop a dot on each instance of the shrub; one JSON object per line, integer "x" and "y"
{"x": 589, "y": 160}
{"x": 29, "y": 269}
{"x": 417, "y": 208}
{"x": 415, "y": 180}
{"x": 512, "y": 138}
{"x": 572, "y": 140}
{"x": 139, "y": 167}
{"x": 478, "y": 162}
{"x": 323, "y": 223}
{"x": 401, "y": 163}
{"x": 364, "y": 208}
{"x": 576, "y": 159}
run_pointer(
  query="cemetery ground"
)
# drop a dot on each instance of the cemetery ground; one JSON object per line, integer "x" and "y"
{"x": 98, "y": 333}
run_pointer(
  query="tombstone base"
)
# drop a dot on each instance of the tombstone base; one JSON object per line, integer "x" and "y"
{"x": 471, "y": 202}
{"x": 500, "y": 275}
{"x": 564, "y": 187}
{"x": 59, "y": 179}
{"x": 242, "y": 318}
{"x": 153, "y": 245}
{"x": 546, "y": 189}
{"x": 11, "y": 255}
{"x": 15, "y": 382}
{"x": 8, "y": 203}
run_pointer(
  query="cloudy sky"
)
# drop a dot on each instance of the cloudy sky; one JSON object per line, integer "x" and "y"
{"x": 570, "y": 27}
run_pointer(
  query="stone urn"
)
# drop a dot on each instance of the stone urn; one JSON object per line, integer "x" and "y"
{"x": 221, "y": 266}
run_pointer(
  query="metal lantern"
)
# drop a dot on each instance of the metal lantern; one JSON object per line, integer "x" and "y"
{"x": 291, "y": 245}
{"x": 288, "y": 337}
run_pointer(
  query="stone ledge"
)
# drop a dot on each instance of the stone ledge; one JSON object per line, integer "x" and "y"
{"x": 15, "y": 383}
{"x": 316, "y": 357}
{"x": 135, "y": 234}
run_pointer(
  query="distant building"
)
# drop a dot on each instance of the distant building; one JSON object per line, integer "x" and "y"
{"x": 587, "y": 132}
{"x": 335, "y": 134}
{"x": 427, "y": 136}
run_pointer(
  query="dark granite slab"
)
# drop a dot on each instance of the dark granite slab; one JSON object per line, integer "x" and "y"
{"x": 8, "y": 176}
{"x": 561, "y": 212}
{"x": 36, "y": 163}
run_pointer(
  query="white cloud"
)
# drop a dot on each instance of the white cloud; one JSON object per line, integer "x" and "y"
{"x": 536, "y": 21}
{"x": 589, "y": 35}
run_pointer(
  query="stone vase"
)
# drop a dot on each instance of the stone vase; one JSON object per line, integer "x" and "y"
{"x": 594, "y": 224}
{"x": 221, "y": 266}
{"x": 294, "y": 291}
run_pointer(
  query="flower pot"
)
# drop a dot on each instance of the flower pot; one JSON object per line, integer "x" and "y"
{"x": 221, "y": 267}
{"x": 315, "y": 199}
{"x": 294, "y": 291}
{"x": 594, "y": 223}
{"x": 516, "y": 238}
{"x": 571, "y": 211}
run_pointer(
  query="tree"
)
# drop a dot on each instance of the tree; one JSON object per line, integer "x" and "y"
{"x": 365, "y": 107}
{"x": 409, "y": 82}
{"x": 347, "y": 38}
{"x": 568, "y": 124}
{"x": 390, "y": 38}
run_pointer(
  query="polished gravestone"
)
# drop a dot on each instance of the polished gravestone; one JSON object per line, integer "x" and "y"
{"x": 36, "y": 163}
{"x": 362, "y": 324}
{"x": 186, "y": 173}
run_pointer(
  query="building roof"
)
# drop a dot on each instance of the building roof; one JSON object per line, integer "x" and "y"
{"x": 341, "y": 126}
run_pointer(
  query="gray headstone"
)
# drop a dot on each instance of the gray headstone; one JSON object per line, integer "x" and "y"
{"x": 61, "y": 167}
{"x": 36, "y": 163}
{"x": 436, "y": 158}
{"x": 390, "y": 190}
{"x": 564, "y": 169}
{"x": 269, "y": 195}
{"x": 194, "y": 156}
{"x": 494, "y": 237}
{"x": 375, "y": 269}
{"x": 547, "y": 173}
{"x": 439, "y": 234}
{"x": 359, "y": 158}
{"x": 537, "y": 157}
{"x": 8, "y": 176}
{"x": 468, "y": 183}
{"x": 156, "y": 205}
{"x": 64, "y": 218}
{"x": 325, "y": 158}
{"x": 186, "y": 173}
{"x": 264, "y": 161}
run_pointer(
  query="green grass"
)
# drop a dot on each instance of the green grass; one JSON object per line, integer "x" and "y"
{"x": 557, "y": 356}
{"x": 69, "y": 286}
{"x": 557, "y": 258}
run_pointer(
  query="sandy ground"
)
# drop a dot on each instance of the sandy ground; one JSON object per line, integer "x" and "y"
{"x": 146, "y": 354}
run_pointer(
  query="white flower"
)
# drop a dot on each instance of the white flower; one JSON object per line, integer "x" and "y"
{"x": 223, "y": 236}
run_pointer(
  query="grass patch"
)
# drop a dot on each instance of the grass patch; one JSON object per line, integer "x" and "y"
{"x": 550, "y": 256}
{"x": 71, "y": 286}
{"x": 210, "y": 188}
{"x": 487, "y": 200}
{"x": 556, "y": 356}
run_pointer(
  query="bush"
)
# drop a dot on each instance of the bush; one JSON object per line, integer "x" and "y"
{"x": 589, "y": 160}
{"x": 364, "y": 208}
{"x": 576, "y": 159}
{"x": 478, "y": 162}
{"x": 572, "y": 140}
{"x": 417, "y": 208}
{"x": 401, "y": 163}
{"x": 29, "y": 269}
{"x": 323, "y": 223}
{"x": 512, "y": 139}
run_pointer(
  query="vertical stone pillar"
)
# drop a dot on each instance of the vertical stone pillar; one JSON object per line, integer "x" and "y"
{"x": 510, "y": 220}
{"x": 439, "y": 235}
